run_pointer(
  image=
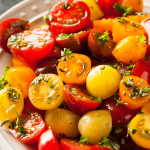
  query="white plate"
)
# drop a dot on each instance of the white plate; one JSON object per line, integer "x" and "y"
{"x": 31, "y": 10}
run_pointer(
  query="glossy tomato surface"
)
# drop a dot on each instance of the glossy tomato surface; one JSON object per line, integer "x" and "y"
{"x": 68, "y": 16}
{"x": 31, "y": 45}
{"x": 9, "y": 27}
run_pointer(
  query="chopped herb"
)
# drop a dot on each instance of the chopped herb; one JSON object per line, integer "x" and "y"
{"x": 130, "y": 66}
{"x": 33, "y": 83}
{"x": 13, "y": 95}
{"x": 64, "y": 59}
{"x": 49, "y": 97}
{"x": 50, "y": 86}
{"x": 103, "y": 39}
{"x": 48, "y": 102}
{"x": 46, "y": 80}
{"x": 144, "y": 102}
{"x": 6, "y": 121}
{"x": 51, "y": 18}
{"x": 134, "y": 131}
{"x": 45, "y": 18}
{"x": 141, "y": 113}
{"x": 65, "y": 5}
{"x": 24, "y": 120}
{"x": 56, "y": 96}
{"x": 24, "y": 44}
{"x": 28, "y": 111}
{"x": 123, "y": 9}
{"x": 65, "y": 36}
{"x": 115, "y": 98}
{"x": 145, "y": 130}
{"x": 30, "y": 46}
{"x": 61, "y": 70}
{"x": 131, "y": 61}
{"x": 99, "y": 99}
{"x": 66, "y": 52}
{"x": 142, "y": 39}
{"x": 84, "y": 140}
{"x": 127, "y": 73}
{"x": 128, "y": 85}
{"x": 84, "y": 66}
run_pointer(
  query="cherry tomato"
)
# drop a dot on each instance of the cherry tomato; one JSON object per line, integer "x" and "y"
{"x": 70, "y": 144}
{"x": 77, "y": 42}
{"x": 68, "y": 16}
{"x": 20, "y": 78}
{"x": 139, "y": 18}
{"x": 63, "y": 122}
{"x": 121, "y": 115}
{"x": 48, "y": 140}
{"x": 73, "y": 69}
{"x": 142, "y": 70}
{"x": 101, "y": 44}
{"x": 98, "y": 147}
{"x": 46, "y": 91}
{"x": 29, "y": 128}
{"x": 47, "y": 65}
{"x": 31, "y": 45}
{"x": 9, "y": 27}
{"x": 78, "y": 99}
{"x": 56, "y": 52}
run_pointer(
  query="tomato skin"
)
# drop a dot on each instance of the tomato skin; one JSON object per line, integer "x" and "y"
{"x": 121, "y": 115}
{"x": 99, "y": 51}
{"x": 98, "y": 147}
{"x": 68, "y": 144}
{"x": 142, "y": 70}
{"x": 34, "y": 121}
{"x": 56, "y": 52}
{"x": 48, "y": 140}
{"x": 6, "y": 30}
{"x": 82, "y": 104}
{"x": 77, "y": 43}
{"x": 38, "y": 43}
{"x": 74, "y": 22}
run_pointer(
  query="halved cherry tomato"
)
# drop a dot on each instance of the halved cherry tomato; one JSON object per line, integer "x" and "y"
{"x": 19, "y": 63}
{"x": 78, "y": 99}
{"x": 134, "y": 92}
{"x": 74, "y": 68}
{"x": 47, "y": 65}
{"x": 9, "y": 27}
{"x": 68, "y": 16}
{"x": 101, "y": 44}
{"x": 20, "y": 78}
{"x": 48, "y": 140}
{"x": 99, "y": 147}
{"x": 68, "y": 144}
{"x": 77, "y": 42}
{"x": 29, "y": 129}
{"x": 139, "y": 18}
{"x": 31, "y": 45}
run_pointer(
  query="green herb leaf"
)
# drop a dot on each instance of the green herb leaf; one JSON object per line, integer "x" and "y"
{"x": 50, "y": 86}
{"x": 18, "y": 119}
{"x": 64, "y": 36}
{"x": 134, "y": 131}
{"x": 45, "y": 18}
{"x": 65, "y": 5}
{"x": 99, "y": 99}
{"x": 102, "y": 40}
{"x": 6, "y": 121}
{"x": 66, "y": 52}
{"x": 142, "y": 39}
{"x": 130, "y": 66}
{"x": 84, "y": 140}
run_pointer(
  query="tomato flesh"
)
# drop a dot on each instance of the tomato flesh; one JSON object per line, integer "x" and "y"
{"x": 68, "y": 16}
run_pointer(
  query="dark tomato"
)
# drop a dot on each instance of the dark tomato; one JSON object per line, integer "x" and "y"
{"x": 68, "y": 16}
{"x": 78, "y": 99}
{"x": 29, "y": 129}
{"x": 31, "y": 45}
{"x": 68, "y": 144}
{"x": 100, "y": 44}
{"x": 29, "y": 107}
{"x": 95, "y": 62}
{"x": 121, "y": 115}
{"x": 98, "y": 147}
{"x": 56, "y": 52}
{"x": 48, "y": 140}
{"x": 142, "y": 70}
{"x": 88, "y": 26}
{"x": 76, "y": 42}
{"x": 47, "y": 65}
{"x": 7, "y": 29}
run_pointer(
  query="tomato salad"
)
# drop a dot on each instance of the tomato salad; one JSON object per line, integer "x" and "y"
{"x": 81, "y": 81}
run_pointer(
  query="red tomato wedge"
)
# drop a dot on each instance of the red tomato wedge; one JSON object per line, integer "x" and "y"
{"x": 78, "y": 99}
{"x": 9, "y": 27}
{"x": 31, "y": 45}
{"x": 29, "y": 129}
{"x": 68, "y": 16}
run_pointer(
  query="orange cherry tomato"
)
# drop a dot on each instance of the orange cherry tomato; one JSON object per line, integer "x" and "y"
{"x": 134, "y": 92}
{"x": 130, "y": 50}
{"x": 20, "y": 78}
{"x": 124, "y": 27}
{"x": 19, "y": 63}
{"x": 139, "y": 18}
{"x": 74, "y": 68}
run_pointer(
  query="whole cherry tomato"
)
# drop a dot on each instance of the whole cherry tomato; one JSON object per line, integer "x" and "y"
{"x": 29, "y": 127}
{"x": 56, "y": 52}
{"x": 68, "y": 16}
{"x": 79, "y": 100}
{"x": 48, "y": 140}
{"x": 31, "y": 45}
{"x": 9, "y": 27}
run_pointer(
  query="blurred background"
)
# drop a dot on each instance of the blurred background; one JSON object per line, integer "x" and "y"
{"x": 6, "y": 4}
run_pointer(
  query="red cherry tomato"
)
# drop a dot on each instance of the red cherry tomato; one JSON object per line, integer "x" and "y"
{"x": 56, "y": 52}
{"x": 68, "y": 144}
{"x": 142, "y": 70}
{"x": 68, "y": 16}
{"x": 48, "y": 141}
{"x": 31, "y": 45}
{"x": 31, "y": 127}
{"x": 78, "y": 99}
{"x": 98, "y": 147}
{"x": 7, "y": 29}
{"x": 121, "y": 115}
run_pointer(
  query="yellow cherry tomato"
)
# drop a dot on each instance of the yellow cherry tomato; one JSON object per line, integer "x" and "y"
{"x": 130, "y": 50}
{"x": 95, "y": 125}
{"x": 139, "y": 129}
{"x": 103, "y": 81}
{"x": 46, "y": 91}
{"x": 63, "y": 122}
{"x": 10, "y": 98}
{"x": 95, "y": 10}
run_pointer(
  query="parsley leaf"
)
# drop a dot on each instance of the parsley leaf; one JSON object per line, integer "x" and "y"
{"x": 142, "y": 39}
{"x": 65, "y": 36}
{"x": 99, "y": 99}
{"x": 50, "y": 86}
{"x": 123, "y": 9}
{"x": 103, "y": 39}
{"x": 65, "y": 5}
{"x": 45, "y": 18}
{"x": 84, "y": 139}
{"x": 66, "y": 52}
